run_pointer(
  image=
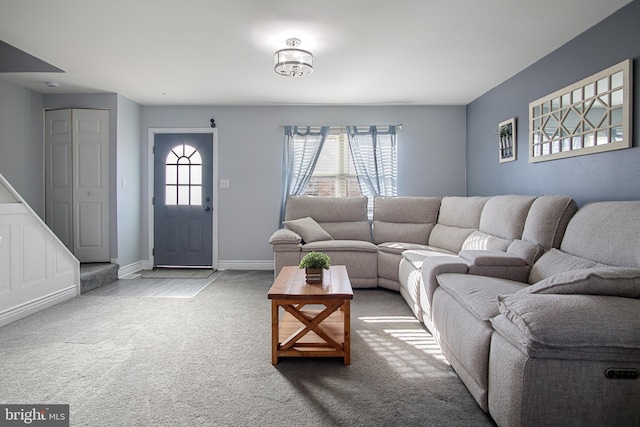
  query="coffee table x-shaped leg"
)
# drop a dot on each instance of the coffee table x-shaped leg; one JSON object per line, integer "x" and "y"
{"x": 330, "y": 325}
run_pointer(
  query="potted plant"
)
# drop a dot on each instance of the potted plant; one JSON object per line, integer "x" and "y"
{"x": 314, "y": 263}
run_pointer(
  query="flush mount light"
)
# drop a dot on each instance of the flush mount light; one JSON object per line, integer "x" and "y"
{"x": 293, "y": 62}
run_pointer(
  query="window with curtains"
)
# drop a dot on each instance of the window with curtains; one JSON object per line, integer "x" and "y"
{"x": 328, "y": 161}
{"x": 334, "y": 174}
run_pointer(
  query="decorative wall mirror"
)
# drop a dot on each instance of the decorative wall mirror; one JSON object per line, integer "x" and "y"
{"x": 590, "y": 116}
{"x": 507, "y": 140}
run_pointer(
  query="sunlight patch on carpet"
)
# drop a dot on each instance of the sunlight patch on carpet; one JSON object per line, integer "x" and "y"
{"x": 398, "y": 346}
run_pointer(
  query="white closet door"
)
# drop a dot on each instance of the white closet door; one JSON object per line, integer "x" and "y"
{"x": 91, "y": 185}
{"x": 58, "y": 175}
{"x": 78, "y": 168}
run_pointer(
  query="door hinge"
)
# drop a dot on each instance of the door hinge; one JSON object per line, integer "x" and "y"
{"x": 153, "y": 200}
{"x": 153, "y": 251}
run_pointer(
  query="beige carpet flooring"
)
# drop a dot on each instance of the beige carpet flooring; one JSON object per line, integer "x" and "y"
{"x": 206, "y": 361}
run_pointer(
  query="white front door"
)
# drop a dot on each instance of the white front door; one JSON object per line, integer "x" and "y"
{"x": 77, "y": 181}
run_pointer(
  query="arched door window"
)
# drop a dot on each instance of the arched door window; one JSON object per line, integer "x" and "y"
{"x": 183, "y": 176}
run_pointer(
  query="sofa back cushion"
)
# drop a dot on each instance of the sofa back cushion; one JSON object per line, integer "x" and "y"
{"x": 548, "y": 219}
{"x": 555, "y": 261}
{"x": 344, "y": 218}
{"x": 504, "y": 216}
{"x": 479, "y": 241}
{"x": 457, "y": 219}
{"x": 349, "y": 230}
{"x": 404, "y": 219}
{"x": 605, "y": 232}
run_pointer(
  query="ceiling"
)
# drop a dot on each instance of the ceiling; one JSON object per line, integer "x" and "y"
{"x": 212, "y": 52}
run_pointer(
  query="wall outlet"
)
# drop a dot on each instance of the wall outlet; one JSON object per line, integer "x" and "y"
{"x": 224, "y": 183}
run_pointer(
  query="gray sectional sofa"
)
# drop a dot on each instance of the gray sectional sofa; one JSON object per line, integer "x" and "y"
{"x": 534, "y": 302}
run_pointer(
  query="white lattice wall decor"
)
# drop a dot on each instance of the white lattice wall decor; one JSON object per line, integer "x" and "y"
{"x": 590, "y": 116}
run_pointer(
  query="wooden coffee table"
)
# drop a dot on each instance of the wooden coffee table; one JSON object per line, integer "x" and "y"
{"x": 307, "y": 331}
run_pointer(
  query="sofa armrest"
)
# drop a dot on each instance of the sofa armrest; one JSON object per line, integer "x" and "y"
{"x": 589, "y": 327}
{"x": 491, "y": 258}
{"x": 435, "y": 265}
{"x": 497, "y": 264}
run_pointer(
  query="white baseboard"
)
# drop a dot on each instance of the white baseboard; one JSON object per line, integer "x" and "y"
{"x": 132, "y": 268}
{"x": 245, "y": 265}
{"x": 24, "y": 310}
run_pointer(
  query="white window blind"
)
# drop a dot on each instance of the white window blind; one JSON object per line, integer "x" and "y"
{"x": 334, "y": 174}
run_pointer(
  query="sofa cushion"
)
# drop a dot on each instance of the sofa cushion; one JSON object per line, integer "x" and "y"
{"x": 341, "y": 246}
{"x": 400, "y": 247}
{"x": 479, "y": 240}
{"x": 308, "y": 229}
{"x": 621, "y": 282}
{"x": 448, "y": 237}
{"x": 397, "y": 232}
{"x": 606, "y": 232}
{"x": 457, "y": 219}
{"x": 463, "y": 212}
{"x": 344, "y": 218}
{"x": 531, "y": 321}
{"x": 404, "y": 219}
{"x": 352, "y": 230}
{"x": 555, "y": 261}
{"x": 327, "y": 209}
{"x": 406, "y": 210}
{"x": 527, "y": 251}
{"x": 504, "y": 216}
{"x": 547, "y": 220}
{"x": 478, "y": 293}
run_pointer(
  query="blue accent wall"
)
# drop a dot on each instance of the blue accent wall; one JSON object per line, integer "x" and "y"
{"x": 613, "y": 175}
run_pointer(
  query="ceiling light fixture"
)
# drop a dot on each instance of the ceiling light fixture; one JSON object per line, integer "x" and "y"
{"x": 293, "y": 62}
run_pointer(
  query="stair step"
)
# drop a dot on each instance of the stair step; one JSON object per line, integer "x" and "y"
{"x": 95, "y": 275}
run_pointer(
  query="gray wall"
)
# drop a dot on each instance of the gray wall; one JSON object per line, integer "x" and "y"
{"x": 605, "y": 176}
{"x": 21, "y": 143}
{"x": 431, "y": 151}
{"x": 431, "y": 159}
{"x": 128, "y": 182}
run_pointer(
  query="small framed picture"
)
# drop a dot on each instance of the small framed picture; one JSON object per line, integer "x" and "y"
{"x": 507, "y": 140}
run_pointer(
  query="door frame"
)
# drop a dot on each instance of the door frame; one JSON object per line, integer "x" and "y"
{"x": 150, "y": 180}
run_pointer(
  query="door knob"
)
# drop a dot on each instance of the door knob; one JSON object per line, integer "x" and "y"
{"x": 207, "y": 208}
